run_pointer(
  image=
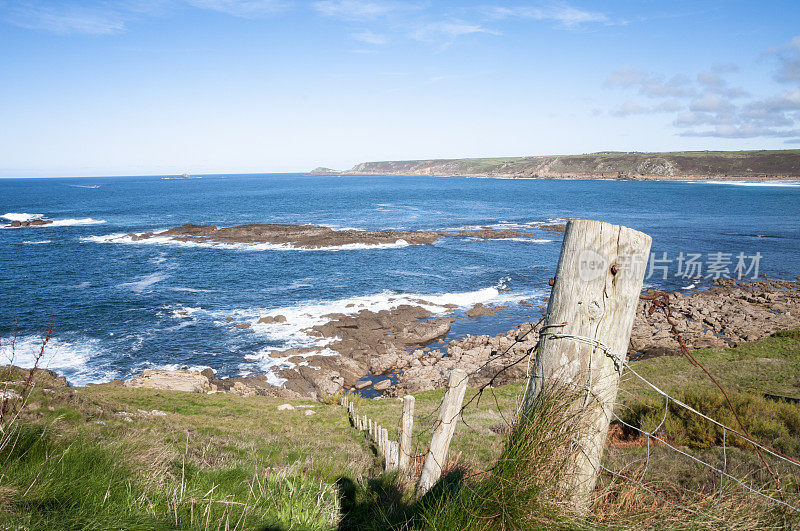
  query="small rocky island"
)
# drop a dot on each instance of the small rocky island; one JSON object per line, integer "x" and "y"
{"x": 16, "y": 224}
{"x": 317, "y": 236}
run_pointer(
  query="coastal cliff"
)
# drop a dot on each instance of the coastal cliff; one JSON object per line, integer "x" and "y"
{"x": 683, "y": 165}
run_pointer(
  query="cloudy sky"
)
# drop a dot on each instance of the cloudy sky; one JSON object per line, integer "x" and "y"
{"x": 114, "y": 87}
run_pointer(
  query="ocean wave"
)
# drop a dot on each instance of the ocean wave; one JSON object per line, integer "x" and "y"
{"x": 38, "y": 242}
{"x": 74, "y": 222}
{"x": 77, "y": 359}
{"x": 161, "y": 240}
{"x": 143, "y": 283}
{"x": 69, "y": 222}
{"x": 22, "y": 216}
{"x": 293, "y": 332}
{"x": 263, "y": 362}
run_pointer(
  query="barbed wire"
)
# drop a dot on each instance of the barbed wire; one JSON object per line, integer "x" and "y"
{"x": 660, "y": 301}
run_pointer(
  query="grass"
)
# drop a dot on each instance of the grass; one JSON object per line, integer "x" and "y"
{"x": 113, "y": 457}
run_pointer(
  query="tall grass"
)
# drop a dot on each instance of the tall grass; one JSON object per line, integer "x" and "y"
{"x": 527, "y": 487}
{"x": 81, "y": 484}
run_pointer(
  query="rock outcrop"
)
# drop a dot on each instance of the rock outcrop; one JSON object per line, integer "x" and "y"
{"x": 315, "y": 236}
{"x": 189, "y": 381}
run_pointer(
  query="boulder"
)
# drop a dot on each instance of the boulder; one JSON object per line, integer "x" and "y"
{"x": 189, "y": 381}
{"x": 425, "y": 332}
{"x": 383, "y": 385}
{"x": 362, "y": 384}
{"x": 270, "y": 319}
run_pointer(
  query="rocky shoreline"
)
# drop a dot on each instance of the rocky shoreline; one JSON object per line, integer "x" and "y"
{"x": 388, "y": 351}
{"x": 317, "y": 236}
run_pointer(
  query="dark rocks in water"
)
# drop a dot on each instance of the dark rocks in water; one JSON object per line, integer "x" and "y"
{"x": 383, "y": 385}
{"x": 31, "y": 223}
{"x": 480, "y": 310}
{"x": 243, "y": 325}
{"x": 555, "y": 227}
{"x": 375, "y": 343}
{"x": 314, "y": 236}
{"x": 272, "y": 319}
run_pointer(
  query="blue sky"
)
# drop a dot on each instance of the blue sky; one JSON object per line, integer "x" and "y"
{"x": 117, "y": 87}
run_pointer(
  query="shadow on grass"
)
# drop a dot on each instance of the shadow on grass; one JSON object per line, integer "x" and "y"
{"x": 384, "y": 503}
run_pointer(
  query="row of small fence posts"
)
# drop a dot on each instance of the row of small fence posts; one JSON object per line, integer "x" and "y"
{"x": 397, "y": 454}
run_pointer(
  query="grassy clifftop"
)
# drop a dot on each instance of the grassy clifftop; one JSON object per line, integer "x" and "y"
{"x": 700, "y": 165}
{"x": 110, "y": 457}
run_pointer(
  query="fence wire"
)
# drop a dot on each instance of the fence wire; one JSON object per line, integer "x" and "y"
{"x": 653, "y": 437}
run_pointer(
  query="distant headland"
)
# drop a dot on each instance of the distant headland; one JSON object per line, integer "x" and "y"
{"x": 771, "y": 165}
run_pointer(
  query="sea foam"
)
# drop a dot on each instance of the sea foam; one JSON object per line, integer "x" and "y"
{"x": 163, "y": 240}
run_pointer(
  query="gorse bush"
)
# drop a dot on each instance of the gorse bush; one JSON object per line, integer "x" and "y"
{"x": 774, "y": 423}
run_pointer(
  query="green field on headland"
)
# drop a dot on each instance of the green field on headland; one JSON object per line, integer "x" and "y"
{"x": 679, "y": 165}
{"x": 108, "y": 456}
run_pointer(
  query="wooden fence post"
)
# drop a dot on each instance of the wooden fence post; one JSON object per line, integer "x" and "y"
{"x": 391, "y": 455}
{"x": 384, "y": 442}
{"x": 595, "y": 294}
{"x": 443, "y": 431}
{"x": 407, "y": 426}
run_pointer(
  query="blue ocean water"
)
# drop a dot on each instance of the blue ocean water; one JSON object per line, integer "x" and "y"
{"x": 120, "y": 307}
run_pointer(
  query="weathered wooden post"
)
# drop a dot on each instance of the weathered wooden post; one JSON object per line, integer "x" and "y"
{"x": 591, "y": 308}
{"x": 379, "y": 438}
{"x": 407, "y": 426}
{"x": 443, "y": 431}
{"x": 391, "y": 455}
{"x": 369, "y": 426}
{"x": 385, "y": 442}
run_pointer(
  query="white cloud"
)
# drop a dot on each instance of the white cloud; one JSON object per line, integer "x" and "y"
{"x": 566, "y": 16}
{"x": 742, "y": 131}
{"x": 630, "y": 108}
{"x": 776, "y": 117}
{"x": 711, "y": 103}
{"x": 652, "y": 85}
{"x": 788, "y": 57}
{"x": 240, "y": 8}
{"x": 359, "y": 9}
{"x": 371, "y": 38}
{"x": 447, "y": 30}
{"x": 67, "y": 19}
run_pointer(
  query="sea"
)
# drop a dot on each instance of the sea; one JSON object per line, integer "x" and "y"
{"x": 120, "y": 306}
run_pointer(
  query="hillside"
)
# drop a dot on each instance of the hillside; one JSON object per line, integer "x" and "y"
{"x": 692, "y": 165}
{"x": 107, "y": 456}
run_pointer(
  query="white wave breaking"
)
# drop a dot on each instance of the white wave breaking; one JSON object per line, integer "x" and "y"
{"x": 77, "y": 360}
{"x": 143, "y": 283}
{"x": 69, "y": 222}
{"x": 299, "y": 319}
{"x": 163, "y": 240}
{"x": 21, "y": 216}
